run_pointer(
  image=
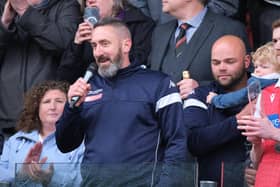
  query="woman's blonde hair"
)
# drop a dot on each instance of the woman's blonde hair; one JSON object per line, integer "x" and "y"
{"x": 118, "y": 6}
{"x": 266, "y": 54}
{"x": 276, "y": 24}
{"x": 82, "y": 4}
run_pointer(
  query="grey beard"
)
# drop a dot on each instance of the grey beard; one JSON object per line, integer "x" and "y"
{"x": 108, "y": 72}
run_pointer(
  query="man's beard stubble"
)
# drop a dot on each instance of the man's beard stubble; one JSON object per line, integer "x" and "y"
{"x": 112, "y": 69}
{"x": 236, "y": 79}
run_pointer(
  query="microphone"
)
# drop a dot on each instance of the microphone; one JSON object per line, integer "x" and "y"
{"x": 89, "y": 73}
{"x": 91, "y": 14}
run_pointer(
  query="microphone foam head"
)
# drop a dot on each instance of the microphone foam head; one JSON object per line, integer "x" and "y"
{"x": 91, "y": 14}
{"x": 91, "y": 67}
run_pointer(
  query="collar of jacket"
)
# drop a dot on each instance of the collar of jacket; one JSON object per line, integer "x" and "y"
{"x": 31, "y": 136}
{"x": 125, "y": 72}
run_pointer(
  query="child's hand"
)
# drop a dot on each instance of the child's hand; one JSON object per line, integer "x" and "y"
{"x": 210, "y": 97}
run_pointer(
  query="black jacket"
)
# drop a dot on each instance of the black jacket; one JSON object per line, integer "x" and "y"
{"x": 77, "y": 57}
{"x": 30, "y": 51}
{"x": 213, "y": 136}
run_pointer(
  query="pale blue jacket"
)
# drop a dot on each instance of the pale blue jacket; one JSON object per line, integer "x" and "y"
{"x": 66, "y": 165}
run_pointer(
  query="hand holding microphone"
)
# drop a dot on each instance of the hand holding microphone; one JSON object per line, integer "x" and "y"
{"x": 78, "y": 91}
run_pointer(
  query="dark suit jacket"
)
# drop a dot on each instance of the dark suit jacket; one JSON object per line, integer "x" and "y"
{"x": 197, "y": 54}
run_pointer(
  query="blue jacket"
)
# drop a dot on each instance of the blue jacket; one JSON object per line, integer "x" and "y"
{"x": 213, "y": 135}
{"x": 122, "y": 119}
{"x": 17, "y": 147}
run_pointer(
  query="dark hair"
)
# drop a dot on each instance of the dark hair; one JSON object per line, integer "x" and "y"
{"x": 204, "y": 2}
{"x": 115, "y": 22}
{"x": 119, "y": 25}
{"x": 29, "y": 119}
{"x": 82, "y": 5}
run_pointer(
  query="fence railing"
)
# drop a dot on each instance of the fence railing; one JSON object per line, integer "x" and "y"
{"x": 122, "y": 175}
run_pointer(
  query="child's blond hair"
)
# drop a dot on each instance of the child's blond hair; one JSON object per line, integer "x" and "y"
{"x": 266, "y": 54}
{"x": 276, "y": 24}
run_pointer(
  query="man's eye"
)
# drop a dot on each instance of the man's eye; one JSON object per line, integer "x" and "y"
{"x": 105, "y": 43}
{"x": 215, "y": 62}
{"x": 231, "y": 61}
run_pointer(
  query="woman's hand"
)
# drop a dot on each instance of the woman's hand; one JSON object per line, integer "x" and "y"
{"x": 8, "y": 15}
{"x": 20, "y": 6}
{"x": 83, "y": 33}
{"x": 33, "y": 166}
{"x": 36, "y": 173}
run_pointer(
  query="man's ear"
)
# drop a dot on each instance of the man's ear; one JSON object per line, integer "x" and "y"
{"x": 126, "y": 45}
{"x": 247, "y": 61}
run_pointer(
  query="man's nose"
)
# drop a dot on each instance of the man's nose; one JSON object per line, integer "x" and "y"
{"x": 97, "y": 51}
{"x": 222, "y": 66}
{"x": 277, "y": 45}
